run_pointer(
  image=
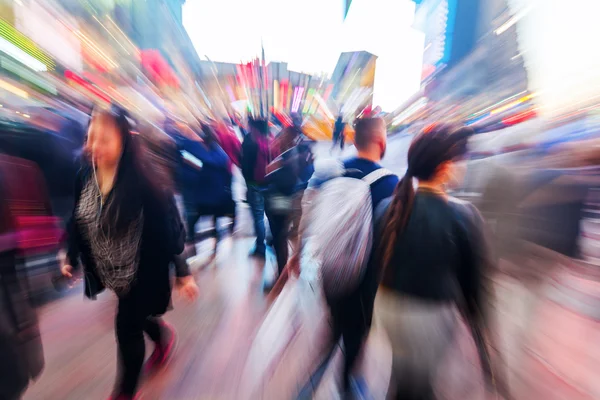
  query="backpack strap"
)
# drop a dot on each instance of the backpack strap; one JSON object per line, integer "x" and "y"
{"x": 376, "y": 175}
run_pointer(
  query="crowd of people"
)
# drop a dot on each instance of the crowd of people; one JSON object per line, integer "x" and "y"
{"x": 397, "y": 249}
{"x": 126, "y": 230}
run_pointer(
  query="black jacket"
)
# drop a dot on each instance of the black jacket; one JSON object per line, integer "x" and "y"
{"x": 162, "y": 241}
{"x": 442, "y": 255}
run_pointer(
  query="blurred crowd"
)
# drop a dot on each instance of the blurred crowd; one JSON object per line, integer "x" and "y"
{"x": 406, "y": 271}
{"x": 414, "y": 257}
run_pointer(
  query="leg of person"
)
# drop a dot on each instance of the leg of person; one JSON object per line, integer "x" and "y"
{"x": 215, "y": 219}
{"x": 257, "y": 205}
{"x": 233, "y": 220}
{"x": 355, "y": 329}
{"x": 163, "y": 336}
{"x": 130, "y": 340}
{"x": 192, "y": 215}
{"x": 278, "y": 224}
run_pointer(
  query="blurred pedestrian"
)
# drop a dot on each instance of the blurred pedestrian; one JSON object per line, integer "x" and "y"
{"x": 338, "y": 133}
{"x": 207, "y": 190}
{"x": 287, "y": 177}
{"x": 430, "y": 245}
{"x": 126, "y": 231}
{"x": 20, "y": 342}
{"x": 255, "y": 158}
{"x": 352, "y": 313}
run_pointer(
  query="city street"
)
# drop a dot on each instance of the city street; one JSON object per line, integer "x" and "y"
{"x": 215, "y": 333}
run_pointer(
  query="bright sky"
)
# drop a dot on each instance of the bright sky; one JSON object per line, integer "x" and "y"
{"x": 311, "y": 34}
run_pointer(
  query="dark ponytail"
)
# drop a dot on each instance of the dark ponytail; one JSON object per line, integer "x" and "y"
{"x": 434, "y": 146}
{"x": 397, "y": 216}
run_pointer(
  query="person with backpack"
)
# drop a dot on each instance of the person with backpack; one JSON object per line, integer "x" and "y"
{"x": 254, "y": 161}
{"x": 432, "y": 257}
{"x": 287, "y": 176}
{"x": 337, "y": 231}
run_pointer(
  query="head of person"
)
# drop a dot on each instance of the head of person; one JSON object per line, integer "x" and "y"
{"x": 433, "y": 159}
{"x": 109, "y": 140}
{"x": 110, "y": 145}
{"x": 258, "y": 126}
{"x": 370, "y": 138}
{"x": 208, "y": 134}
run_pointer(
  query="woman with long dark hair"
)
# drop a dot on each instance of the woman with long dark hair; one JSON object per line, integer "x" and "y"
{"x": 126, "y": 231}
{"x": 433, "y": 256}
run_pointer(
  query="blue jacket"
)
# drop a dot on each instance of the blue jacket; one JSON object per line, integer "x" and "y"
{"x": 211, "y": 185}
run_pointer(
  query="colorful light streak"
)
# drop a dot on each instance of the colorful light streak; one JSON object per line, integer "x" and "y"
{"x": 27, "y": 75}
{"x": 13, "y": 89}
{"x": 86, "y": 85}
{"x": 12, "y": 35}
{"x": 298, "y": 92}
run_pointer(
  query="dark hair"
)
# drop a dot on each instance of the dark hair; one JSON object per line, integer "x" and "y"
{"x": 208, "y": 134}
{"x": 363, "y": 131}
{"x": 259, "y": 124}
{"x": 431, "y": 148}
{"x": 131, "y": 180}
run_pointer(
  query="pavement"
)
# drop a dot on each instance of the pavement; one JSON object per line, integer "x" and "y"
{"x": 217, "y": 332}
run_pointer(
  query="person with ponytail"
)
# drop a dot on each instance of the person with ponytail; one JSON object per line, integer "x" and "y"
{"x": 126, "y": 231}
{"x": 432, "y": 256}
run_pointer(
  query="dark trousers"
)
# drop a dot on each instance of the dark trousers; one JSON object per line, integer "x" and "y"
{"x": 256, "y": 200}
{"x": 351, "y": 317}
{"x": 195, "y": 211}
{"x": 349, "y": 325}
{"x": 131, "y": 323}
{"x": 280, "y": 227}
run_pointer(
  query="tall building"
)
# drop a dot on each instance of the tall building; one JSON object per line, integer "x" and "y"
{"x": 471, "y": 58}
{"x": 353, "y": 79}
{"x": 157, "y": 25}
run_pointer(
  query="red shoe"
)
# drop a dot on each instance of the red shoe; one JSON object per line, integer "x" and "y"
{"x": 162, "y": 351}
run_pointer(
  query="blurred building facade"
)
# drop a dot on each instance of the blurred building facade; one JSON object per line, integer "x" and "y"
{"x": 471, "y": 58}
{"x": 282, "y": 90}
{"x": 353, "y": 79}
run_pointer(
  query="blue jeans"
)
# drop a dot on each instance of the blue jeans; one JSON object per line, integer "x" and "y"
{"x": 256, "y": 200}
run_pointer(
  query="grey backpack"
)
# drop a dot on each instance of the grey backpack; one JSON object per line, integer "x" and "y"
{"x": 339, "y": 230}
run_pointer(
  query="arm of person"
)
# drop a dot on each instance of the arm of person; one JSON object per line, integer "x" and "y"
{"x": 186, "y": 284}
{"x": 163, "y": 219}
{"x": 73, "y": 235}
{"x": 476, "y": 262}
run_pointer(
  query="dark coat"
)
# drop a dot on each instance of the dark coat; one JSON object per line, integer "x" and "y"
{"x": 20, "y": 341}
{"x": 162, "y": 240}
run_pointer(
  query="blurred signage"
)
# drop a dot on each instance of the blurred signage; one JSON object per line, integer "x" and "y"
{"x": 21, "y": 48}
{"x": 26, "y": 75}
{"x": 50, "y": 33}
{"x": 435, "y": 18}
{"x": 158, "y": 68}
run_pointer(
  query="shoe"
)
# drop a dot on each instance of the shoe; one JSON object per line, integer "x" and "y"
{"x": 162, "y": 351}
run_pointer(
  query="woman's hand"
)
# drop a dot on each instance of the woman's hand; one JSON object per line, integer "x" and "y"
{"x": 187, "y": 288}
{"x": 67, "y": 271}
